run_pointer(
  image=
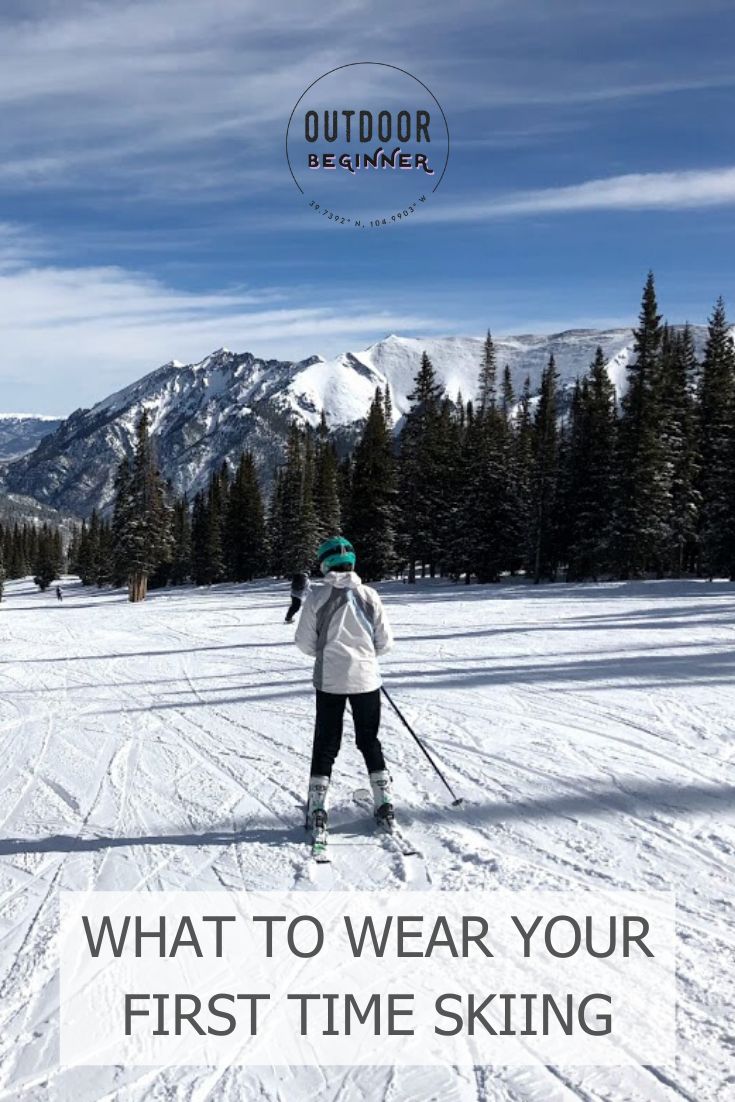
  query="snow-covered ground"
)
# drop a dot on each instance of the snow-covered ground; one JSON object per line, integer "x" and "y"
{"x": 166, "y": 745}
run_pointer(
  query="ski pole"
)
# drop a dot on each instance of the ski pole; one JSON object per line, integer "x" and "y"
{"x": 456, "y": 800}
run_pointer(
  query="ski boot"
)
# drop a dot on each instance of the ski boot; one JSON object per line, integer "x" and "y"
{"x": 380, "y": 783}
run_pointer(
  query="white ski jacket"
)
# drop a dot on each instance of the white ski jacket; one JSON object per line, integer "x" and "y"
{"x": 344, "y": 627}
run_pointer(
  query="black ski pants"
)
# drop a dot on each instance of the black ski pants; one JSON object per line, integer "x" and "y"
{"x": 293, "y": 608}
{"x": 330, "y": 710}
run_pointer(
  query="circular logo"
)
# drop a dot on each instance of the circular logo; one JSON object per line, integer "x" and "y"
{"x": 367, "y": 145}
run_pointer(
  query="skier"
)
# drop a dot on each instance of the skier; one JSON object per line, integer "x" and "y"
{"x": 299, "y": 588}
{"x": 59, "y": 594}
{"x": 344, "y": 627}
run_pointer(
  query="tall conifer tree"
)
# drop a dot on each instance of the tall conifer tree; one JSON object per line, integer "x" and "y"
{"x": 678, "y": 430}
{"x": 371, "y": 517}
{"x": 142, "y": 515}
{"x": 246, "y": 530}
{"x": 487, "y": 504}
{"x": 545, "y": 478}
{"x": 327, "y": 509}
{"x": 591, "y": 484}
{"x": 181, "y": 535}
{"x": 420, "y": 474}
{"x": 717, "y": 419}
{"x": 641, "y": 535}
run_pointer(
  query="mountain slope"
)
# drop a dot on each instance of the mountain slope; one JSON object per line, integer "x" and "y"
{"x": 18, "y": 509}
{"x": 20, "y": 433}
{"x": 395, "y": 360}
{"x": 208, "y": 412}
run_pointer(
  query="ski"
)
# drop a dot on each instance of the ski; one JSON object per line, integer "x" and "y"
{"x": 399, "y": 839}
{"x": 386, "y": 827}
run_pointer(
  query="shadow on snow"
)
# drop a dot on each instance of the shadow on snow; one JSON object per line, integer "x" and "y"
{"x": 647, "y": 799}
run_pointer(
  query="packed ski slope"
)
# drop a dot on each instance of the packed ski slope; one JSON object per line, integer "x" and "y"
{"x": 166, "y": 745}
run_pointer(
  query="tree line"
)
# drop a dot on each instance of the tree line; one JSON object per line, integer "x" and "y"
{"x": 27, "y": 548}
{"x": 578, "y": 486}
{"x": 564, "y": 484}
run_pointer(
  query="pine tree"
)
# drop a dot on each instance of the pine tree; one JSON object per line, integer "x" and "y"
{"x": 142, "y": 516}
{"x": 199, "y": 539}
{"x": 181, "y": 552}
{"x": 420, "y": 474}
{"x": 388, "y": 408}
{"x": 309, "y": 524}
{"x": 344, "y": 485}
{"x": 79, "y": 559}
{"x": 72, "y": 552}
{"x": 59, "y": 549}
{"x": 255, "y": 545}
{"x": 590, "y": 483}
{"x": 297, "y": 519}
{"x": 215, "y": 513}
{"x": 105, "y": 555}
{"x": 462, "y": 552}
{"x": 640, "y": 533}
{"x": 208, "y": 535}
{"x": 544, "y": 478}
{"x": 21, "y": 557}
{"x": 5, "y": 537}
{"x": 328, "y": 514}
{"x": 47, "y": 565}
{"x": 372, "y": 509}
{"x": 522, "y": 452}
{"x": 245, "y": 527}
{"x": 717, "y": 428}
{"x": 452, "y": 453}
{"x": 679, "y": 437}
{"x": 276, "y": 535}
{"x": 448, "y": 459}
{"x": 120, "y": 519}
{"x": 487, "y": 512}
{"x": 507, "y": 394}
{"x": 568, "y": 489}
{"x": 488, "y": 384}
{"x": 89, "y": 552}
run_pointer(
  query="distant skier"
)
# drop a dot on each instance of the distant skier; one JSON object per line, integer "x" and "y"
{"x": 59, "y": 594}
{"x": 344, "y": 627}
{"x": 299, "y": 588}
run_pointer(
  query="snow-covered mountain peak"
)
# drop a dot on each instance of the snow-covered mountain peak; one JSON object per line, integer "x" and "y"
{"x": 220, "y": 357}
{"x": 207, "y": 412}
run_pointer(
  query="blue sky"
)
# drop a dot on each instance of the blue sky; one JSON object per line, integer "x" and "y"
{"x": 147, "y": 212}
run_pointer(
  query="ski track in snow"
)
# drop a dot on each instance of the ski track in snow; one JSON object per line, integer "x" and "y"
{"x": 166, "y": 746}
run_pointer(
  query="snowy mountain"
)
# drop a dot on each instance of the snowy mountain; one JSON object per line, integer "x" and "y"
{"x": 457, "y": 360}
{"x": 207, "y": 412}
{"x": 20, "y": 433}
{"x": 19, "y": 509}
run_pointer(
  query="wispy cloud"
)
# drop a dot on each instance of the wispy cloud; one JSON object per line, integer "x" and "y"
{"x": 588, "y": 86}
{"x": 86, "y": 331}
{"x": 632, "y": 191}
{"x": 133, "y": 93}
{"x": 132, "y": 96}
{"x": 147, "y": 137}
